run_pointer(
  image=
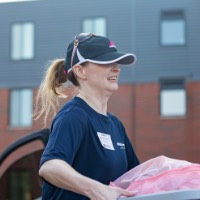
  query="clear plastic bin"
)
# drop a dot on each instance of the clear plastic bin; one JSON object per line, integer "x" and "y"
{"x": 170, "y": 195}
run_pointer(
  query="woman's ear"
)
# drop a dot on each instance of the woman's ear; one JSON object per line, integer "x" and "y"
{"x": 79, "y": 71}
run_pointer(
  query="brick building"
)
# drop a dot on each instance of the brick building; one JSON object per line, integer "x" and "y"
{"x": 158, "y": 100}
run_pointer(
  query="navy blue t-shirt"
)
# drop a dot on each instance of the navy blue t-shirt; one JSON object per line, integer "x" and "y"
{"x": 95, "y": 145}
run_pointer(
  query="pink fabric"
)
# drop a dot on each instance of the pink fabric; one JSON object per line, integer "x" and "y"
{"x": 160, "y": 174}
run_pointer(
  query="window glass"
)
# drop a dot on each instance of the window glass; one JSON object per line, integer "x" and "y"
{"x": 28, "y": 41}
{"x": 22, "y": 41}
{"x": 20, "y": 185}
{"x": 14, "y": 107}
{"x": 95, "y": 25}
{"x": 173, "y": 102}
{"x": 172, "y": 98}
{"x": 172, "y": 29}
{"x": 16, "y": 42}
{"x": 88, "y": 25}
{"x": 26, "y": 110}
{"x": 21, "y": 108}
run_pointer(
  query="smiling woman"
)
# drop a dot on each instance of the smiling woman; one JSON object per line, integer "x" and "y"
{"x": 81, "y": 156}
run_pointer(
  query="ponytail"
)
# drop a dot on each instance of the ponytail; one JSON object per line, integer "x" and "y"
{"x": 51, "y": 89}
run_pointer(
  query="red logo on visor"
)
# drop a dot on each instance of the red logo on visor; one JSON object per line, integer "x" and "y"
{"x": 111, "y": 44}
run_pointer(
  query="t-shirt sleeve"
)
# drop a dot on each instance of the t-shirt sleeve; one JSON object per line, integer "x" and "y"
{"x": 67, "y": 133}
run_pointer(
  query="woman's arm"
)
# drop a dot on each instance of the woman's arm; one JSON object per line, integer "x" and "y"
{"x": 62, "y": 175}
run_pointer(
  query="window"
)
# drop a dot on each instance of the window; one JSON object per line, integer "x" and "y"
{"x": 22, "y": 41}
{"x": 19, "y": 167}
{"x": 95, "y": 25}
{"x": 172, "y": 28}
{"x": 172, "y": 98}
{"x": 20, "y": 186}
{"x": 21, "y": 108}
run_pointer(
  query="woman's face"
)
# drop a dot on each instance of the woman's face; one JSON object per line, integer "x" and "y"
{"x": 102, "y": 77}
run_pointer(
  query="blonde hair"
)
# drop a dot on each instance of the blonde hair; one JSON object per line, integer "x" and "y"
{"x": 52, "y": 89}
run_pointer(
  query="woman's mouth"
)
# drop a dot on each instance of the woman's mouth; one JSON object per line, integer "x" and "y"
{"x": 113, "y": 78}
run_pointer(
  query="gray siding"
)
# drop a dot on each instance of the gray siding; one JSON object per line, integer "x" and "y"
{"x": 155, "y": 61}
{"x": 132, "y": 24}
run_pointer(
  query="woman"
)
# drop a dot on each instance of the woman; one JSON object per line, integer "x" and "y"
{"x": 88, "y": 147}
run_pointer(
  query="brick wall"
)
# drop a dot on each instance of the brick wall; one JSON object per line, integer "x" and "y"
{"x": 156, "y": 135}
{"x": 8, "y": 134}
{"x": 137, "y": 106}
{"x": 193, "y": 123}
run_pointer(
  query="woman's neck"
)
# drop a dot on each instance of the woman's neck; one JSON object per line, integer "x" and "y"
{"x": 99, "y": 104}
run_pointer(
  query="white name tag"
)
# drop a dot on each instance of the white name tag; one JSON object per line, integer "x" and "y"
{"x": 105, "y": 140}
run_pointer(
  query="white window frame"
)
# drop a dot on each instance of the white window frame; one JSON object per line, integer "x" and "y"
{"x": 96, "y": 25}
{"x": 173, "y": 99}
{"x": 172, "y": 29}
{"x": 21, "y": 107}
{"x": 22, "y": 41}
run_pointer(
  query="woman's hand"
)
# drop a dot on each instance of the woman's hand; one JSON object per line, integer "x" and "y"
{"x": 105, "y": 192}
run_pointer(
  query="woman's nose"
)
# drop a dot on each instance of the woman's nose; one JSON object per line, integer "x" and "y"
{"x": 115, "y": 68}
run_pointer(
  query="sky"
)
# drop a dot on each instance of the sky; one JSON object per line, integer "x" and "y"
{"x": 9, "y": 1}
